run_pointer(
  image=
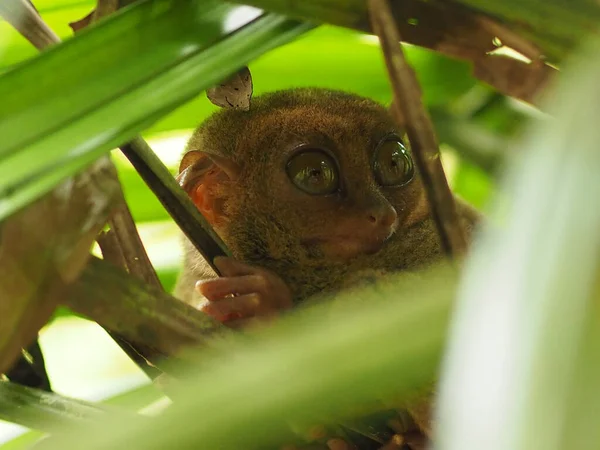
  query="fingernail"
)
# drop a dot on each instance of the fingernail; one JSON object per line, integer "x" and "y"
{"x": 337, "y": 444}
{"x": 214, "y": 313}
{"x": 232, "y": 316}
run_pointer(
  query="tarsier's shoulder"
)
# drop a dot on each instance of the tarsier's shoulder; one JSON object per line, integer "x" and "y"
{"x": 470, "y": 216}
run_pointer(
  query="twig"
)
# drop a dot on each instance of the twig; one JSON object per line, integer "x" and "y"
{"x": 30, "y": 369}
{"x": 24, "y": 18}
{"x": 175, "y": 200}
{"x": 133, "y": 253}
{"x": 408, "y": 105}
{"x": 110, "y": 248}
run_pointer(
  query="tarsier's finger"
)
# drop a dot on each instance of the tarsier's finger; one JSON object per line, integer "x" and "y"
{"x": 339, "y": 444}
{"x": 231, "y": 267}
{"x": 218, "y": 288}
{"x": 249, "y": 305}
{"x": 396, "y": 443}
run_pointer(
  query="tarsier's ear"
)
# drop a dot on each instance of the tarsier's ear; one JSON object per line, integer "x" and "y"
{"x": 200, "y": 175}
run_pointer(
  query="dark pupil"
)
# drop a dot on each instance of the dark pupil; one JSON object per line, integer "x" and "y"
{"x": 394, "y": 166}
{"x": 313, "y": 172}
{"x": 395, "y": 162}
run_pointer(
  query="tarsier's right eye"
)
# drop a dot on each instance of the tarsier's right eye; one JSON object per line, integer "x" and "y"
{"x": 314, "y": 172}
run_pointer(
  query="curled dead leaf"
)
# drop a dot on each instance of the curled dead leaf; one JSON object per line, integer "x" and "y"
{"x": 234, "y": 92}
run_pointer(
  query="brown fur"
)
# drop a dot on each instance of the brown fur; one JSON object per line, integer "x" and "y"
{"x": 267, "y": 218}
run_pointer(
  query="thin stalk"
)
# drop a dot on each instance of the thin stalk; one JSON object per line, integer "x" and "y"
{"x": 408, "y": 105}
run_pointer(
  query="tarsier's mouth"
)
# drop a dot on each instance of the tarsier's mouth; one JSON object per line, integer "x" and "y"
{"x": 347, "y": 247}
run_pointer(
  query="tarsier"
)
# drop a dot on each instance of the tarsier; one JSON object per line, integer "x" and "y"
{"x": 309, "y": 189}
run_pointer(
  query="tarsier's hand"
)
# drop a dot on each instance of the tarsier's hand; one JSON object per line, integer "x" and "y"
{"x": 244, "y": 293}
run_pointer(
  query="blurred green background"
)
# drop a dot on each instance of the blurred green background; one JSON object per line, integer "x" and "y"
{"x": 474, "y": 125}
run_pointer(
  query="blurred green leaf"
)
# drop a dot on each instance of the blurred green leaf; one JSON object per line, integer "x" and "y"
{"x": 14, "y": 48}
{"x": 117, "y": 85}
{"x": 131, "y": 400}
{"x": 520, "y": 373}
{"x": 472, "y": 184}
{"x": 329, "y": 361}
{"x": 22, "y": 442}
{"x": 336, "y": 58}
{"x": 48, "y": 411}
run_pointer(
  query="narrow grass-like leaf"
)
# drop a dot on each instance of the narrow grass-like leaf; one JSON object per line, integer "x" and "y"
{"x": 127, "y": 401}
{"x": 520, "y": 366}
{"x": 92, "y": 93}
{"x": 330, "y": 362}
{"x": 48, "y": 411}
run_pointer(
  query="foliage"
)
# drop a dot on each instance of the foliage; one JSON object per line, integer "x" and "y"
{"x": 62, "y": 109}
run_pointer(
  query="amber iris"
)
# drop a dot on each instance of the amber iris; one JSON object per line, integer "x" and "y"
{"x": 314, "y": 172}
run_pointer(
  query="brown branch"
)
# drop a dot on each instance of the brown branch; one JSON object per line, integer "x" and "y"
{"x": 408, "y": 105}
{"x": 125, "y": 305}
{"x": 132, "y": 249}
{"x": 447, "y": 27}
{"x": 110, "y": 248}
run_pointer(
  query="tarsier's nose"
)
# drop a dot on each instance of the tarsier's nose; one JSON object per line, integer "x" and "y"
{"x": 382, "y": 216}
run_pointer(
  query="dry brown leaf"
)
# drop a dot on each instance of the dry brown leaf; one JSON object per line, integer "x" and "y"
{"x": 234, "y": 92}
{"x": 43, "y": 249}
{"x": 82, "y": 23}
{"x": 514, "y": 78}
{"x": 103, "y": 8}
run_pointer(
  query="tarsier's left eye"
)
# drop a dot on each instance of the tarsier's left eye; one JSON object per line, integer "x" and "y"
{"x": 393, "y": 165}
{"x": 314, "y": 172}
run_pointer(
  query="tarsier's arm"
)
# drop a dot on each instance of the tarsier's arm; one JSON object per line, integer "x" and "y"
{"x": 244, "y": 292}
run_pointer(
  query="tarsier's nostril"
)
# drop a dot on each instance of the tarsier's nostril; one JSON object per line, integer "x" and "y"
{"x": 372, "y": 218}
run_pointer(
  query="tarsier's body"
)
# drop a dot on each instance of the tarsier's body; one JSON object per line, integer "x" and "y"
{"x": 313, "y": 185}
{"x": 311, "y": 190}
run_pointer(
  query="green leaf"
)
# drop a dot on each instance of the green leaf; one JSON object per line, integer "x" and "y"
{"x": 64, "y": 108}
{"x": 48, "y": 411}
{"x": 329, "y": 361}
{"x": 523, "y": 361}
{"x": 131, "y": 400}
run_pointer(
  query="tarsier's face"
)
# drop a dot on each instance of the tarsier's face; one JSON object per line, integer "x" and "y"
{"x": 326, "y": 182}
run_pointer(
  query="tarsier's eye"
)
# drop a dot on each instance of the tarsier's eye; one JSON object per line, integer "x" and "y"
{"x": 393, "y": 164}
{"x": 314, "y": 172}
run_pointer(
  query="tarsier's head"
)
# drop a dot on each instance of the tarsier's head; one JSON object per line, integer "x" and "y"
{"x": 312, "y": 184}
